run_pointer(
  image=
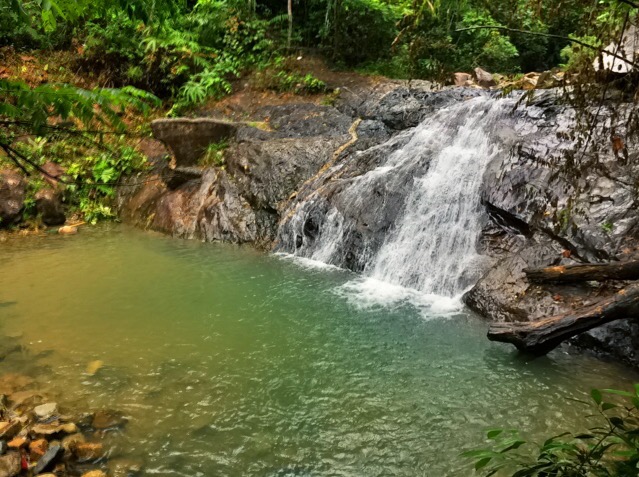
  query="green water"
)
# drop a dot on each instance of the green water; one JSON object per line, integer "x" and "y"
{"x": 230, "y": 362}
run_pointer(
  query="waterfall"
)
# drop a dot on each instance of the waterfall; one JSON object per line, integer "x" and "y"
{"x": 433, "y": 246}
{"x": 430, "y": 246}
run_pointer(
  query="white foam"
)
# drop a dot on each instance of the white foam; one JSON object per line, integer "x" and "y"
{"x": 368, "y": 292}
{"x": 305, "y": 262}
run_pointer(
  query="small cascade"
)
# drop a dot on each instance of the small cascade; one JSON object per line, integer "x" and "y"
{"x": 433, "y": 246}
{"x": 429, "y": 187}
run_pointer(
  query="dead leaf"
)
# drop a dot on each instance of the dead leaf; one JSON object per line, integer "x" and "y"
{"x": 566, "y": 254}
{"x": 617, "y": 144}
{"x": 27, "y": 58}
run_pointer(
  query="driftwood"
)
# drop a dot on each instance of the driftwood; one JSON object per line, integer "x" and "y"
{"x": 585, "y": 273}
{"x": 540, "y": 337}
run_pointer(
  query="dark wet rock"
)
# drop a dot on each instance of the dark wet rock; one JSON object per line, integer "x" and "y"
{"x": 12, "y": 195}
{"x": 174, "y": 178}
{"x": 242, "y": 202}
{"x": 407, "y": 106}
{"x": 9, "y": 429}
{"x": 49, "y": 460}
{"x": 50, "y": 207}
{"x": 189, "y": 138}
{"x": 617, "y": 340}
{"x": 305, "y": 120}
{"x": 10, "y": 464}
{"x": 108, "y": 419}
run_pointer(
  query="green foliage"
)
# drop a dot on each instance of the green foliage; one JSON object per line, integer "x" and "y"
{"x": 32, "y": 107}
{"x": 360, "y": 31}
{"x": 214, "y": 155}
{"x": 576, "y": 57}
{"x": 608, "y": 449}
{"x": 607, "y": 227}
{"x": 283, "y": 75}
{"x": 485, "y": 48}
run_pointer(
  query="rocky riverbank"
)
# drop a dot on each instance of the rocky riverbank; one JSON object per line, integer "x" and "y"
{"x": 38, "y": 436}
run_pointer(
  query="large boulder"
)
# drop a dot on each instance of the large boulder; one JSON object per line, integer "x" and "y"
{"x": 188, "y": 138}
{"x": 13, "y": 189}
{"x": 484, "y": 78}
{"x": 50, "y": 207}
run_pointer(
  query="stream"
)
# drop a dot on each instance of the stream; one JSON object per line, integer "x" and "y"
{"x": 231, "y": 362}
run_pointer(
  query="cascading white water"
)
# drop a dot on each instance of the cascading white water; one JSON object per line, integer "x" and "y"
{"x": 431, "y": 246}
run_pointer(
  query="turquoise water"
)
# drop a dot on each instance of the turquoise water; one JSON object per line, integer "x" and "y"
{"x": 231, "y": 362}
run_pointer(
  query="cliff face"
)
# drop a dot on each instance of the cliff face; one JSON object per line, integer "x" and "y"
{"x": 548, "y": 196}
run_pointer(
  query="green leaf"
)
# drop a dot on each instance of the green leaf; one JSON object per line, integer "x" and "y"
{"x": 491, "y": 434}
{"x": 618, "y": 392}
{"x": 481, "y": 463}
{"x": 596, "y": 396}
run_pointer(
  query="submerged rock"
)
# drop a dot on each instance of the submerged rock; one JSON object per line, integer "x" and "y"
{"x": 125, "y": 467}
{"x": 108, "y": 419}
{"x": 87, "y": 451}
{"x": 10, "y": 464}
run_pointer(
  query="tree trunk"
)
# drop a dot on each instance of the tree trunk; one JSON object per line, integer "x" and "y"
{"x": 290, "y": 24}
{"x": 540, "y": 337}
{"x": 585, "y": 273}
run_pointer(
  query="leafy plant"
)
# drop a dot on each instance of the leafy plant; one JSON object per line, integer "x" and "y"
{"x": 605, "y": 450}
{"x": 214, "y": 154}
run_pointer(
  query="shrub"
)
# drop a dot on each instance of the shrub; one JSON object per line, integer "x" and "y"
{"x": 606, "y": 450}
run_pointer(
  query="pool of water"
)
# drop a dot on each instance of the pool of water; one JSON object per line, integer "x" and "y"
{"x": 231, "y": 362}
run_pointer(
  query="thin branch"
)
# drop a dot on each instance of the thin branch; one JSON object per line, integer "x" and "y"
{"x": 630, "y": 3}
{"x": 549, "y": 35}
{"x": 14, "y": 159}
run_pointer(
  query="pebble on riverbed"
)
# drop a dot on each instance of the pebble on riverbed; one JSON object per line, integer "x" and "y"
{"x": 37, "y": 439}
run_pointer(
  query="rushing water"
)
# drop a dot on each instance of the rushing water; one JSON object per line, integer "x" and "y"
{"x": 430, "y": 248}
{"x": 235, "y": 363}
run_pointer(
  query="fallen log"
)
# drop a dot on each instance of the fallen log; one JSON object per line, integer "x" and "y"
{"x": 585, "y": 272}
{"x": 540, "y": 337}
